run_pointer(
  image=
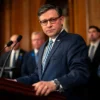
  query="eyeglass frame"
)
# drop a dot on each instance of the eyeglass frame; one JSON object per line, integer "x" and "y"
{"x": 51, "y": 20}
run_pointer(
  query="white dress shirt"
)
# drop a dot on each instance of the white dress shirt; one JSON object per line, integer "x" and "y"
{"x": 16, "y": 57}
{"x": 36, "y": 51}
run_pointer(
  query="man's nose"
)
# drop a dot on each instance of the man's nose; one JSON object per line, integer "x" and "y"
{"x": 49, "y": 24}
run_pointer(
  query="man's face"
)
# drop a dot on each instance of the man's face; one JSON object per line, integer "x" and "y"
{"x": 93, "y": 35}
{"x": 14, "y": 38}
{"x": 52, "y": 27}
{"x": 37, "y": 41}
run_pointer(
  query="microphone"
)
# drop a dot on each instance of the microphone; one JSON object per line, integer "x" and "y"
{"x": 19, "y": 38}
{"x": 7, "y": 45}
{"x": 2, "y": 70}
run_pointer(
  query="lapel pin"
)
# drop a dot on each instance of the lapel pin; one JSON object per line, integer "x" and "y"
{"x": 58, "y": 40}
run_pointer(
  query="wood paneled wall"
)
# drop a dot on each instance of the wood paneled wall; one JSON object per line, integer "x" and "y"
{"x": 20, "y": 17}
{"x": 82, "y": 14}
{"x": 78, "y": 17}
{"x": 1, "y": 24}
{"x": 94, "y": 12}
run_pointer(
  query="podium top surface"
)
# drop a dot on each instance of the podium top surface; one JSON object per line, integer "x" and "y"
{"x": 25, "y": 90}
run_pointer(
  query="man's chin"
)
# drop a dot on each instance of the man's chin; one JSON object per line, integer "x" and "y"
{"x": 93, "y": 40}
{"x": 51, "y": 35}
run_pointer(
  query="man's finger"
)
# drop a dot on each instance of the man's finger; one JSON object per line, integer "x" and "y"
{"x": 36, "y": 85}
{"x": 39, "y": 89}
{"x": 47, "y": 92}
{"x": 44, "y": 90}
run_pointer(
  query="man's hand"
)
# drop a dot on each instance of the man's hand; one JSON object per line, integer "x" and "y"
{"x": 44, "y": 87}
{"x": 11, "y": 79}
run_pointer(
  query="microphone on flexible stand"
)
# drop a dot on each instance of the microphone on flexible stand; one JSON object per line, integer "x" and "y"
{"x": 18, "y": 40}
{"x": 2, "y": 69}
{"x": 7, "y": 45}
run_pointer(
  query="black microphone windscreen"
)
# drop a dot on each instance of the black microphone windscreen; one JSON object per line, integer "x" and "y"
{"x": 9, "y": 43}
{"x": 19, "y": 38}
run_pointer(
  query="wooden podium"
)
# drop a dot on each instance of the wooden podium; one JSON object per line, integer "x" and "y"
{"x": 17, "y": 91}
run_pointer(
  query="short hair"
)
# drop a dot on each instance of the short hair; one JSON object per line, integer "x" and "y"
{"x": 47, "y": 7}
{"x": 38, "y": 33}
{"x": 97, "y": 28}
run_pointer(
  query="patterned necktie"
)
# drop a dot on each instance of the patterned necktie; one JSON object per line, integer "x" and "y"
{"x": 36, "y": 57}
{"x": 92, "y": 52}
{"x": 46, "y": 53}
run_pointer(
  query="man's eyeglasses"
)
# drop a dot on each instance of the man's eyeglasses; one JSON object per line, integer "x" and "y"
{"x": 51, "y": 20}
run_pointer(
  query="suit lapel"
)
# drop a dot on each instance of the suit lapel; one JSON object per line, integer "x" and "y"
{"x": 57, "y": 43}
{"x": 8, "y": 62}
{"x": 55, "y": 46}
{"x": 19, "y": 59}
{"x": 40, "y": 59}
{"x": 97, "y": 52}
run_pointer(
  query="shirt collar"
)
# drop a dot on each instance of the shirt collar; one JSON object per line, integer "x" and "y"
{"x": 35, "y": 51}
{"x": 54, "y": 39}
{"x": 15, "y": 50}
{"x": 96, "y": 43}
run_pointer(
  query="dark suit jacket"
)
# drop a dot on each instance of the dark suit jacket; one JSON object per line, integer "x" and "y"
{"x": 94, "y": 81}
{"x": 29, "y": 64}
{"x": 67, "y": 62}
{"x": 17, "y": 69}
{"x": 95, "y": 62}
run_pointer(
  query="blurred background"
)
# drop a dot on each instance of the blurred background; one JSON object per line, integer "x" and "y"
{"x": 20, "y": 17}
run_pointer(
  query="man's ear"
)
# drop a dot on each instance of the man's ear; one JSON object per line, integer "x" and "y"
{"x": 62, "y": 19}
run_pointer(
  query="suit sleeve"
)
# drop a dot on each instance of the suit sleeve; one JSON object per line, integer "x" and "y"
{"x": 24, "y": 66}
{"x": 1, "y": 61}
{"x": 30, "y": 79}
{"x": 77, "y": 61}
{"x": 3, "y": 58}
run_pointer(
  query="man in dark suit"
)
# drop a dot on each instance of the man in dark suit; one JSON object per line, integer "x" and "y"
{"x": 94, "y": 55}
{"x": 62, "y": 64}
{"x": 15, "y": 60}
{"x": 30, "y": 58}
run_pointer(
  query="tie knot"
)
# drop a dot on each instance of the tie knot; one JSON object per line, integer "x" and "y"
{"x": 50, "y": 42}
{"x": 92, "y": 47}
